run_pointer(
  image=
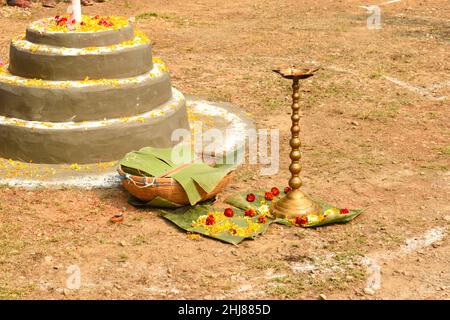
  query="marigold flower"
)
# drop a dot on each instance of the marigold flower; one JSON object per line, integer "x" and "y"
{"x": 262, "y": 219}
{"x": 210, "y": 220}
{"x": 302, "y": 220}
{"x": 264, "y": 209}
{"x": 287, "y": 190}
{"x": 228, "y": 212}
{"x": 251, "y": 197}
{"x": 250, "y": 213}
{"x": 232, "y": 231}
{"x": 269, "y": 196}
{"x": 275, "y": 191}
{"x": 344, "y": 211}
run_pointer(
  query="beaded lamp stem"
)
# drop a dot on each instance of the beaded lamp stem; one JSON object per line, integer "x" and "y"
{"x": 295, "y": 203}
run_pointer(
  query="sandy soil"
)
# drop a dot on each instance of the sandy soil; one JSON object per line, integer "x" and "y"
{"x": 370, "y": 142}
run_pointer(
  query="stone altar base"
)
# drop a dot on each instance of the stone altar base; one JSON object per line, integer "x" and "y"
{"x": 229, "y": 119}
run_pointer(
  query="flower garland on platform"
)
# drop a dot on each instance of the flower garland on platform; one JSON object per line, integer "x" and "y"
{"x": 65, "y": 23}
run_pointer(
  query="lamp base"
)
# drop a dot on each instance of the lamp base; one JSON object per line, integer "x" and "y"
{"x": 295, "y": 204}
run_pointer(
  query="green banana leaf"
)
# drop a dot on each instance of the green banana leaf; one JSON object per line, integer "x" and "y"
{"x": 184, "y": 217}
{"x": 239, "y": 199}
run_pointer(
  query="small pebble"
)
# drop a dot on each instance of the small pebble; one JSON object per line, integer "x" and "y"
{"x": 369, "y": 291}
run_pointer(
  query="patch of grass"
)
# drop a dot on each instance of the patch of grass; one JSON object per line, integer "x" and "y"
{"x": 244, "y": 175}
{"x": 357, "y": 273}
{"x": 435, "y": 167}
{"x": 273, "y": 264}
{"x": 167, "y": 17}
{"x": 347, "y": 255}
{"x": 146, "y": 15}
{"x": 371, "y": 161}
{"x": 282, "y": 291}
{"x": 381, "y": 114}
{"x": 376, "y": 75}
{"x": 107, "y": 195}
{"x": 122, "y": 257}
{"x": 288, "y": 286}
{"x": 127, "y": 4}
{"x": 433, "y": 115}
{"x": 275, "y": 104}
{"x": 140, "y": 239}
{"x": 442, "y": 150}
{"x": 6, "y": 293}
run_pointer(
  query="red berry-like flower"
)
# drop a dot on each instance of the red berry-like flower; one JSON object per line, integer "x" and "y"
{"x": 262, "y": 219}
{"x": 250, "y": 213}
{"x": 287, "y": 190}
{"x": 56, "y": 17}
{"x": 251, "y": 197}
{"x": 82, "y": 23}
{"x": 228, "y": 212}
{"x": 269, "y": 196}
{"x": 344, "y": 211}
{"x": 275, "y": 191}
{"x": 301, "y": 220}
{"x": 210, "y": 220}
{"x": 97, "y": 17}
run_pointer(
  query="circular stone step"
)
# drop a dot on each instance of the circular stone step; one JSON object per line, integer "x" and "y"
{"x": 62, "y": 101}
{"x": 37, "y": 32}
{"x": 91, "y": 141}
{"x": 127, "y": 59}
{"x": 220, "y": 116}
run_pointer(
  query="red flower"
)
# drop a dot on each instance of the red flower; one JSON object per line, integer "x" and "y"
{"x": 301, "y": 220}
{"x": 232, "y": 231}
{"x": 262, "y": 219}
{"x": 251, "y": 197}
{"x": 269, "y": 196}
{"x": 96, "y": 17}
{"x": 275, "y": 191}
{"x": 287, "y": 190}
{"x": 228, "y": 212}
{"x": 250, "y": 213}
{"x": 82, "y": 23}
{"x": 210, "y": 220}
{"x": 344, "y": 211}
{"x": 56, "y": 17}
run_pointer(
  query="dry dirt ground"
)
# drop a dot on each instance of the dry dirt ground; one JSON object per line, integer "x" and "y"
{"x": 376, "y": 136}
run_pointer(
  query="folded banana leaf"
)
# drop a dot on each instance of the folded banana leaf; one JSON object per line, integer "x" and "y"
{"x": 155, "y": 162}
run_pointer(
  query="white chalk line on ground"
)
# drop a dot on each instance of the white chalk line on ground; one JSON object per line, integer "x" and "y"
{"x": 426, "y": 92}
{"x": 411, "y": 245}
